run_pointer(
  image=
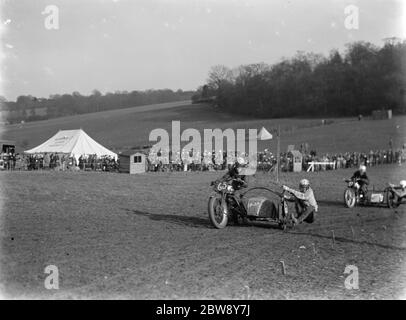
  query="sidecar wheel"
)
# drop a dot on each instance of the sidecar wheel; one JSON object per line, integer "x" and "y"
{"x": 350, "y": 198}
{"x": 217, "y": 216}
{"x": 392, "y": 200}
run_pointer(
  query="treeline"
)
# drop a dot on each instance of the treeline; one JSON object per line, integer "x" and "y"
{"x": 363, "y": 78}
{"x": 29, "y": 108}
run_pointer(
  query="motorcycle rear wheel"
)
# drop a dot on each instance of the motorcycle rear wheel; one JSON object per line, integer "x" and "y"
{"x": 217, "y": 215}
{"x": 350, "y": 198}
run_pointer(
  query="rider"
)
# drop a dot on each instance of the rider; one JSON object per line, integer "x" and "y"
{"x": 401, "y": 188}
{"x": 360, "y": 176}
{"x": 234, "y": 174}
{"x": 305, "y": 202}
{"x": 237, "y": 179}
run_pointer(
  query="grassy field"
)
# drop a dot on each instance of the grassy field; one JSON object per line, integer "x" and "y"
{"x": 123, "y": 128}
{"x": 148, "y": 236}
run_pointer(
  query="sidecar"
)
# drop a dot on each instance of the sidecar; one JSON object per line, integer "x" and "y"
{"x": 261, "y": 208}
{"x": 375, "y": 198}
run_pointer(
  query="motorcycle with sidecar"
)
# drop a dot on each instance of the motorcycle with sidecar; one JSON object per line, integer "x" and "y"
{"x": 227, "y": 204}
{"x": 391, "y": 196}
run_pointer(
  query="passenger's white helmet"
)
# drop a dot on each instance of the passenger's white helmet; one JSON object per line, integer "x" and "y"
{"x": 362, "y": 168}
{"x": 403, "y": 184}
{"x": 304, "y": 183}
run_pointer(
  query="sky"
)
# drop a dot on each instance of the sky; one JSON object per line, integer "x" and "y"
{"x": 112, "y": 45}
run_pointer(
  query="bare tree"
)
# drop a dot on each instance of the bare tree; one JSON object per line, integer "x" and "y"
{"x": 219, "y": 74}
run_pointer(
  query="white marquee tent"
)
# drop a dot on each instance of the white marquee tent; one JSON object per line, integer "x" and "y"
{"x": 72, "y": 142}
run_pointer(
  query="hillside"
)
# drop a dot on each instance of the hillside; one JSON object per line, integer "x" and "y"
{"x": 117, "y": 129}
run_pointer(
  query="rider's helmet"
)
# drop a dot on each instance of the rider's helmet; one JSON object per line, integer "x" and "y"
{"x": 241, "y": 161}
{"x": 362, "y": 168}
{"x": 403, "y": 184}
{"x": 304, "y": 184}
{"x": 240, "y": 164}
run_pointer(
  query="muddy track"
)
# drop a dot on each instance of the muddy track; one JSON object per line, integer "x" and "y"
{"x": 118, "y": 240}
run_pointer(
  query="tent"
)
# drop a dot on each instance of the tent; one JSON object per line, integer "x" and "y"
{"x": 264, "y": 134}
{"x": 72, "y": 142}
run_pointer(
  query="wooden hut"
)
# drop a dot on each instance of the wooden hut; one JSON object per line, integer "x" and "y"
{"x": 133, "y": 162}
{"x": 297, "y": 159}
{"x": 7, "y": 146}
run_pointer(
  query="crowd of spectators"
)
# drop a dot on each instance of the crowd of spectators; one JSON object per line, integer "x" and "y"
{"x": 371, "y": 158}
{"x": 8, "y": 160}
{"x": 158, "y": 161}
{"x": 57, "y": 162}
{"x": 266, "y": 161}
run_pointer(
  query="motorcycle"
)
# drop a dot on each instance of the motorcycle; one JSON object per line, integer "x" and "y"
{"x": 226, "y": 204}
{"x": 353, "y": 195}
{"x": 394, "y": 195}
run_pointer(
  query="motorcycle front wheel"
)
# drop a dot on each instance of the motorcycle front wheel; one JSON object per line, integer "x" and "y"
{"x": 218, "y": 214}
{"x": 350, "y": 198}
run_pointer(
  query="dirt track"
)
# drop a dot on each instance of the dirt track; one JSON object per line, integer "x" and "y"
{"x": 148, "y": 236}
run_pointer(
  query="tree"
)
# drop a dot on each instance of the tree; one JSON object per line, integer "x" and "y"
{"x": 362, "y": 79}
{"x": 217, "y": 75}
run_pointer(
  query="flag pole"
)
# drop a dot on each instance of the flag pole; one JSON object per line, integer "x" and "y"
{"x": 278, "y": 154}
